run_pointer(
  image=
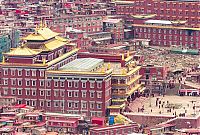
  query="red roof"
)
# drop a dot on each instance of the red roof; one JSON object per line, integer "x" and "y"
{"x": 20, "y": 106}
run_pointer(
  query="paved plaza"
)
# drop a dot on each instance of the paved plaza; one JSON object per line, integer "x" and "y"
{"x": 167, "y": 105}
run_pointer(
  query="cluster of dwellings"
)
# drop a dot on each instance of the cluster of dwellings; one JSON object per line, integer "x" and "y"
{"x": 26, "y": 120}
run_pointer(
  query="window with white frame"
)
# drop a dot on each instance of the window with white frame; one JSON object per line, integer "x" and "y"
{"x": 56, "y": 93}
{"x": 48, "y": 103}
{"x": 33, "y": 103}
{"x": 69, "y": 93}
{"x": 99, "y": 105}
{"x": 99, "y": 94}
{"x": 83, "y": 105}
{"x": 92, "y": 84}
{"x": 27, "y": 102}
{"x": 13, "y": 82}
{"x": 62, "y": 83}
{"x": 41, "y": 92}
{"x": 69, "y": 84}
{"x": 99, "y": 85}
{"x": 19, "y": 91}
{"x": 76, "y": 105}
{"x": 55, "y": 83}
{"x": 62, "y": 93}
{"x": 13, "y": 72}
{"x": 75, "y": 93}
{"x": 48, "y": 83}
{"x": 5, "y": 81}
{"x": 41, "y": 82}
{"x": 48, "y": 92}
{"x": 27, "y": 72}
{"x": 76, "y": 84}
{"x": 91, "y": 94}
{"x": 84, "y": 94}
{"x": 41, "y": 103}
{"x": 41, "y": 73}
{"x": 69, "y": 104}
{"x": 33, "y": 72}
{"x": 83, "y": 84}
{"x": 27, "y": 82}
{"x": 19, "y": 72}
{"x": 27, "y": 92}
{"x": 33, "y": 82}
{"x": 56, "y": 103}
{"x": 33, "y": 92}
{"x": 5, "y": 91}
{"x": 5, "y": 71}
{"x": 13, "y": 91}
{"x": 92, "y": 105}
{"x": 61, "y": 103}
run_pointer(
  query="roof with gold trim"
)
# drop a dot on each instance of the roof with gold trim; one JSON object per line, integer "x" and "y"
{"x": 22, "y": 50}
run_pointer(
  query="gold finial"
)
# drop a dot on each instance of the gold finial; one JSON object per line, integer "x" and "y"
{"x": 3, "y": 61}
{"x": 109, "y": 66}
{"x": 41, "y": 24}
{"x": 123, "y": 71}
{"x": 102, "y": 69}
{"x": 122, "y": 56}
{"x": 44, "y": 60}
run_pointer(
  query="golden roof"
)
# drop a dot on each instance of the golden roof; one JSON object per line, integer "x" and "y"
{"x": 41, "y": 34}
{"x": 144, "y": 16}
{"x": 22, "y": 50}
{"x": 54, "y": 44}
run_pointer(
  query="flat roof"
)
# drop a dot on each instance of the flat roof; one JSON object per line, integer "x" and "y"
{"x": 83, "y": 64}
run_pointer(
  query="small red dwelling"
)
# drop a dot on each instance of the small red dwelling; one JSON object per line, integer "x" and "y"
{"x": 115, "y": 129}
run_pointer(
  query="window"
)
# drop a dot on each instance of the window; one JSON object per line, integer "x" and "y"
{"x": 76, "y": 84}
{"x": 27, "y": 102}
{"x": 84, "y": 105}
{"x": 19, "y": 92}
{"x": 27, "y": 92}
{"x": 19, "y": 72}
{"x": 99, "y": 106}
{"x": 48, "y": 103}
{"x": 48, "y": 92}
{"x": 84, "y": 94}
{"x": 33, "y": 103}
{"x": 91, "y": 84}
{"x": 41, "y": 103}
{"x": 5, "y": 92}
{"x": 62, "y": 83}
{"x": 33, "y": 72}
{"x": 5, "y": 71}
{"x": 41, "y": 93}
{"x": 27, "y": 82}
{"x": 56, "y": 93}
{"x": 75, "y": 93}
{"x": 92, "y": 105}
{"x": 62, "y": 93}
{"x": 13, "y": 82}
{"x": 13, "y": 91}
{"x": 41, "y": 73}
{"x": 69, "y": 84}
{"x": 48, "y": 83}
{"x": 34, "y": 92}
{"x": 13, "y": 72}
{"x": 69, "y": 93}
{"x": 41, "y": 82}
{"x": 56, "y": 103}
{"x": 5, "y": 81}
{"x": 76, "y": 105}
{"x": 33, "y": 82}
{"x": 55, "y": 83}
{"x": 27, "y": 72}
{"x": 99, "y": 95}
{"x": 83, "y": 84}
{"x": 99, "y": 85}
{"x": 69, "y": 104}
{"x": 91, "y": 94}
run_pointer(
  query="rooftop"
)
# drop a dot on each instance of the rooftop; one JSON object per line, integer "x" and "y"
{"x": 83, "y": 64}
